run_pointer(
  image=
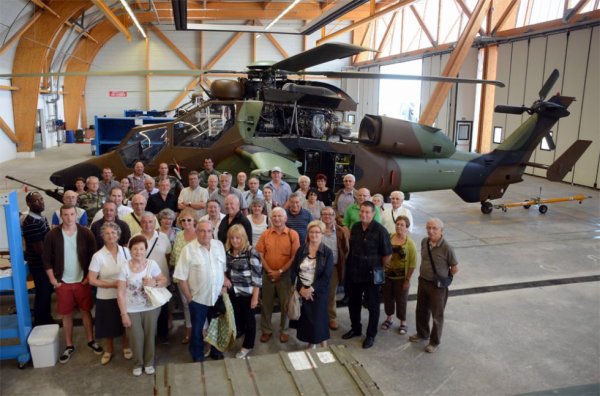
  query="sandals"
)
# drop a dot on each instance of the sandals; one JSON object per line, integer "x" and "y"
{"x": 403, "y": 329}
{"x": 127, "y": 353}
{"x": 386, "y": 325}
{"x": 106, "y": 358}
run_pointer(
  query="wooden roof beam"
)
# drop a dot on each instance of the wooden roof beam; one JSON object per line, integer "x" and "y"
{"x": 423, "y": 26}
{"x": 468, "y": 13}
{"x": 112, "y": 18}
{"x": 549, "y": 25}
{"x": 575, "y": 10}
{"x": 355, "y": 25}
{"x": 45, "y": 7}
{"x": 9, "y": 132}
{"x": 79, "y": 29}
{"x": 173, "y": 47}
{"x": 438, "y": 96}
{"x": 504, "y": 17}
{"x": 386, "y": 36}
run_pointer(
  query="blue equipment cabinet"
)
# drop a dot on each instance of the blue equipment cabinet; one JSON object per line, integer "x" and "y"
{"x": 17, "y": 326}
{"x": 111, "y": 130}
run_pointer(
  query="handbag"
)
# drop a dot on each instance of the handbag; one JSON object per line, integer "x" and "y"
{"x": 158, "y": 296}
{"x": 441, "y": 282}
{"x": 378, "y": 276}
{"x": 294, "y": 304}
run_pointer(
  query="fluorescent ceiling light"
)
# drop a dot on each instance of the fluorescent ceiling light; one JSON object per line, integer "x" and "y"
{"x": 133, "y": 18}
{"x": 288, "y": 9}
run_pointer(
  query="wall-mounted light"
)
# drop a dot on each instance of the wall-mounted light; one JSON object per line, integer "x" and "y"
{"x": 133, "y": 18}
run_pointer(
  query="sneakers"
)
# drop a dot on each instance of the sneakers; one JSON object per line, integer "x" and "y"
{"x": 431, "y": 348}
{"x": 415, "y": 338}
{"x": 149, "y": 370}
{"x": 66, "y": 355}
{"x": 242, "y": 353}
{"x": 94, "y": 346}
{"x": 137, "y": 371}
{"x": 127, "y": 353}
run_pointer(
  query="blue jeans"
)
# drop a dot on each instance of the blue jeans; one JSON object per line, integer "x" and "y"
{"x": 198, "y": 314}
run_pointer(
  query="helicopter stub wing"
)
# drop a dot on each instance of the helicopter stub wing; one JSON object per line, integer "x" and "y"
{"x": 318, "y": 55}
{"x": 263, "y": 161}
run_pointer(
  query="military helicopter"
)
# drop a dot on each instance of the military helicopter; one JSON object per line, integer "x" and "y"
{"x": 268, "y": 119}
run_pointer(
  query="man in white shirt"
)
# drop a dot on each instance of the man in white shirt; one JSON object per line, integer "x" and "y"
{"x": 388, "y": 217}
{"x": 200, "y": 271}
{"x": 194, "y": 196}
{"x": 149, "y": 187}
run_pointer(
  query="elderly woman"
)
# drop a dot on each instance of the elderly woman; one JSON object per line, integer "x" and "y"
{"x": 105, "y": 268}
{"x": 312, "y": 204}
{"x": 378, "y": 201}
{"x": 243, "y": 279}
{"x": 188, "y": 218}
{"x": 303, "y": 187}
{"x": 159, "y": 248}
{"x": 258, "y": 218}
{"x": 213, "y": 215}
{"x": 137, "y": 312}
{"x": 398, "y": 274}
{"x": 311, "y": 273}
{"x": 325, "y": 194}
{"x": 166, "y": 218}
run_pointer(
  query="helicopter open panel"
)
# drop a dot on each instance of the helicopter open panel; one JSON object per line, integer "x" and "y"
{"x": 203, "y": 127}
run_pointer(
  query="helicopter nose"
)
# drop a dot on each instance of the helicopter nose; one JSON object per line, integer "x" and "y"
{"x": 66, "y": 177}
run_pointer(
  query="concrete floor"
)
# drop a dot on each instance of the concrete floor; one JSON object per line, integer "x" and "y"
{"x": 524, "y": 317}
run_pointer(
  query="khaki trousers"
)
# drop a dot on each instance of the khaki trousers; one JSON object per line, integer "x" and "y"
{"x": 269, "y": 289}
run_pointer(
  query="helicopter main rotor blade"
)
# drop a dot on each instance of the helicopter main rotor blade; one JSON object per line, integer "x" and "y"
{"x": 549, "y": 84}
{"x": 318, "y": 55}
{"x": 99, "y": 73}
{"x": 510, "y": 109}
{"x": 379, "y": 76}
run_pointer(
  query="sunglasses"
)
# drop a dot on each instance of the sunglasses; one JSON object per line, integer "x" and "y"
{"x": 186, "y": 220}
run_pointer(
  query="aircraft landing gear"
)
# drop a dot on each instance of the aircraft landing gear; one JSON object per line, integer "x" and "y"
{"x": 543, "y": 209}
{"x": 486, "y": 207}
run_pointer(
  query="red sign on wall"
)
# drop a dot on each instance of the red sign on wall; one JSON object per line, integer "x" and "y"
{"x": 117, "y": 94}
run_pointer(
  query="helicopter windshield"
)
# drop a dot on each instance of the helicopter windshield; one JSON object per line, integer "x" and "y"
{"x": 201, "y": 128}
{"x": 143, "y": 146}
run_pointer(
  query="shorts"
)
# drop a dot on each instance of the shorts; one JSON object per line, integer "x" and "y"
{"x": 73, "y": 295}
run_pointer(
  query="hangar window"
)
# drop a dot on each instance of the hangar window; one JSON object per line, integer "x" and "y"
{"x": 497, "y": 135}
{"x": 401, "y": 98}
{"x": 203, "y": 127}
{"x": 544, "y": 143}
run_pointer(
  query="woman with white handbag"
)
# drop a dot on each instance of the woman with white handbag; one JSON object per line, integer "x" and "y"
{"x": 137, "y": 311}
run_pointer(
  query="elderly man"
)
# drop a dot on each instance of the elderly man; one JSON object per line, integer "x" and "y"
{"x": 136, "y": 179}
{"x": 34, "y": 229}
{"x": 281, "y": 190}
{"x": 208, "y": 170}
{"x": 92, "y": 200}
{"x": 253, "y": 191}
{"x": 200, "y": 271}
{"x": 116, "y": 196}
{"x": 370, "y": 250}
{"x": 213, "y": 184}
{"x": 225, "y": 189}
{"x": 107, "y": 183}
{"x": 233, "y": 216}
{"x": 174, "y": 183}
{"x": 193, "y": 196}
{"x": 70, "y": 199}
{"x": 163, "y": 199}
{"x": 67, "y": 253}
{"x": 241, "y": 181}
{"x": 277, "y": 247}
{"x": 336, "y": 239}
{"x": 297, "y": 217}
{"x": 388, "y": 217}
{"x": 345, "y": 197}
{"x": 352, "y": 215}
{"x": 134, "y": 219}
{"x": 437, "y": 260}
{"x": 149, "y": 188}
{"x": 109, "y": 212}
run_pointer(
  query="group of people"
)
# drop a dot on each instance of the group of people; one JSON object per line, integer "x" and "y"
{"x": 211, "y": 240}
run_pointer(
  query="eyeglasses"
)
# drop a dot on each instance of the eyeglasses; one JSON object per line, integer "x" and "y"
{"x": 186, "y": 220}
{"x": 326, "y": 214}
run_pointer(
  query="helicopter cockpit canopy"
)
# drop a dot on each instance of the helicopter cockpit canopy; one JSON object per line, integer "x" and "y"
{"x": 144, "y": 145}
{"x": 204, "y": 125}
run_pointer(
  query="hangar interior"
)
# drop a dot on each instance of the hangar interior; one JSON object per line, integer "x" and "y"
{"x": 526, "y": 310}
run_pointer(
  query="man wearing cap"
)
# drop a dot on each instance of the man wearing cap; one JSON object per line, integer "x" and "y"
{"x": 281, "y": 190}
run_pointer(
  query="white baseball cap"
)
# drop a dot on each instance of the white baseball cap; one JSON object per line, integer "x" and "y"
{"x": 276, "y": 169}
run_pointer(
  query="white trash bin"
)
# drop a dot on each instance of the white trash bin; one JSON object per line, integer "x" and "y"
{"x": 43, "y": 343}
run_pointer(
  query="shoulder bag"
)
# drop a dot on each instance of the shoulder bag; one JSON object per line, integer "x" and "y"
{"x": 158, "y": 296}
{"x": 441, "y": 282}
{"x": 294, "y": 303}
